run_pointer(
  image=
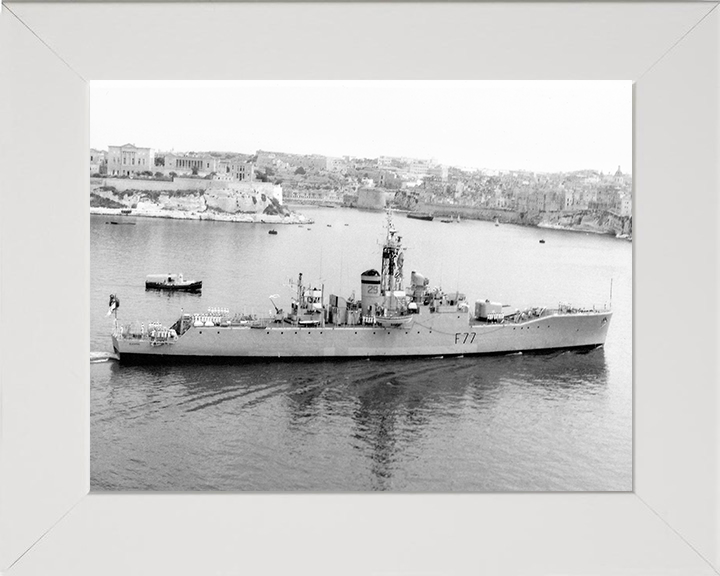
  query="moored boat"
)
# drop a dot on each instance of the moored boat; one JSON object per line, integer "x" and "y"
{"x": 421, "y": 216}
{"x": 171, "y": 282}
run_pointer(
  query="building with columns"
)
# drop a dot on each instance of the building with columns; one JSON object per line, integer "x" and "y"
{"x": 202, "y": 165}
{"x": 128, "y": 159}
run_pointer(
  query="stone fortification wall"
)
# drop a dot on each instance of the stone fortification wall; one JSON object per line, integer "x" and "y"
{"x": 371, "y": 198}
{"x": 189, "y": 184}
{"x": 125, "y": 184}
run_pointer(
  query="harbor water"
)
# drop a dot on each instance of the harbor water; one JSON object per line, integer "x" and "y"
{"x": 560, "y": 421}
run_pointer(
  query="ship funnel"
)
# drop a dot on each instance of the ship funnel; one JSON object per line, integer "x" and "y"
{"x": 370, "y": 291}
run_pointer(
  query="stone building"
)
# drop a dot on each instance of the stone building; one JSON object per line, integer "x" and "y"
{"x": 333, "y": 164}
{"x": 198, "y": 164}
{"x": 98, "y": 161}
{"x": 129, "y": 159}
{"x": 235, "y": 170}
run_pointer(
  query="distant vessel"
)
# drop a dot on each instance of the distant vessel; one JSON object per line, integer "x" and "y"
{"x": 542, "y": 241}
{"x": 496, "y": 222}
{"x": 171, "y": 282}
{"x": 420, "y": 216}
{"x": 272, "y": 231}
{"x": 388, "y": 320}
{"x": 455, "y": 220}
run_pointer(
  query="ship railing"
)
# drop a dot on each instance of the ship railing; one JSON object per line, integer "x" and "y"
{"x": 568, "y": 309}
{"x": 529, "y": 314}
{"x": 214, "y": 319}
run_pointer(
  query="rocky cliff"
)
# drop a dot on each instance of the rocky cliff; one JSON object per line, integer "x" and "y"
{"x": 250, "y": 199}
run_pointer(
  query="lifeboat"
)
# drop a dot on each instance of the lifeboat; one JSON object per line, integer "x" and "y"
{"x": 403, "y": 321}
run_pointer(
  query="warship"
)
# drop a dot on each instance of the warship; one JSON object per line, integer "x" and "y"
{"x": 388, "y": 320}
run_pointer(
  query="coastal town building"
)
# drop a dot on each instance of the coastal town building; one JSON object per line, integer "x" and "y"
{"x": 129, "y": 159}
{"x": 98, "y": 161}
{"x": 387, "y": 179}
{"x": 439, "y": 171}
{"x": 235, "y": 170}
{"x": 623, "y": 206}
{"x": 333, "y": 164}
{"x": 419, "y": 167}
{"x": 197, "y": 164}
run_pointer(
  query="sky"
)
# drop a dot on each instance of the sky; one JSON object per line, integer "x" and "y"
{"x": 543, "y": 126}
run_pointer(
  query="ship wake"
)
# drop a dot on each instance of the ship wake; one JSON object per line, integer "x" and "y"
{"x": 98, "y": 357}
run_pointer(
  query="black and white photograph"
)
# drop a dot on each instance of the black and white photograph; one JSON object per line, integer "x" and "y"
{"x": 357, "y": 286}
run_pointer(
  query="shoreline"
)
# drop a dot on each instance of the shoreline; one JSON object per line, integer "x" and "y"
{"x": 588, "y": 230}
{"x": 293, "y": 218}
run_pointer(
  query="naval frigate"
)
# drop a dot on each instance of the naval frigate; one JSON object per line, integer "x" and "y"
{"x": 389, "y": 320}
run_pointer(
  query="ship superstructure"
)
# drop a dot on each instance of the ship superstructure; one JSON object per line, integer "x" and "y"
{"x": 388, "y": 320}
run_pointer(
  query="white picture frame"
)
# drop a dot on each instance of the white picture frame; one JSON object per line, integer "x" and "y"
{"x": 669, "y": 524}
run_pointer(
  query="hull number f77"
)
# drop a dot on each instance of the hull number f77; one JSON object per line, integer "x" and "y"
{"x": 465, "y": 337}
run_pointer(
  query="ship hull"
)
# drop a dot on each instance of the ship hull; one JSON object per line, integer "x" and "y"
{"x": 141, "y": 358}
{"x": 189, "y": 287}
{"x": 421, "y": 216}
{"x": 430, "y": 335}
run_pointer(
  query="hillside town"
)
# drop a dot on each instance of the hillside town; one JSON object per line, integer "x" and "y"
{"x": 123, "y": 177}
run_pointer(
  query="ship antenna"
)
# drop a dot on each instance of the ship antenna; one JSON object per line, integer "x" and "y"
{"x": 611, "y": 282}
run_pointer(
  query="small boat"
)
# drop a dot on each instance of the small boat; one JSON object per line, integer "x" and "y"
{"x": 121, "y": 223}
{"x": 421, "y": 216}
{"x": 496, "y": 222}
{"x": 171, "y": 282}
{"x": 272, "y": 231}
{"x": 396, "y": 321}
{"x": 329, "y": 225}
{"x": 542, "y": 241}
